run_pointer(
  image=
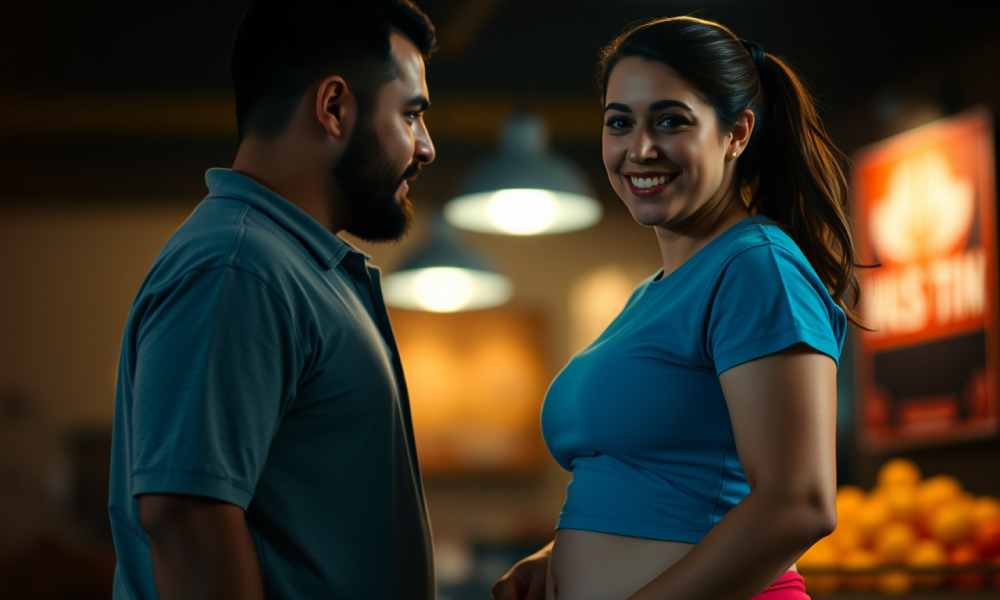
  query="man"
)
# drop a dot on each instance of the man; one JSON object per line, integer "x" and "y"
{"x": 262, "y": 439}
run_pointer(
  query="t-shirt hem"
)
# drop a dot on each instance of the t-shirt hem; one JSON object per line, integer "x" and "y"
{"x": 776, "y": 343}
{"x": 639, "y": 529}
{"x": 195, "y": 484}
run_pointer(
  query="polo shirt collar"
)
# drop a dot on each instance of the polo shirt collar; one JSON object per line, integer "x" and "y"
{"x": 327, "y": 248}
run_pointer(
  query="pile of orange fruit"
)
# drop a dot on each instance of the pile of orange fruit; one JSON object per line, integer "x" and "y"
{"x": 905, "y": 525}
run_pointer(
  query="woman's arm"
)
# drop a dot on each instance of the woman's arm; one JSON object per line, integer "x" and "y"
{"x": 527, "y": 579}
{"x": 783, "y": 410}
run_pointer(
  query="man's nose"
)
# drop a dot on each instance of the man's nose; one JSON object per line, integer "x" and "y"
{"x": 424, "y": 151}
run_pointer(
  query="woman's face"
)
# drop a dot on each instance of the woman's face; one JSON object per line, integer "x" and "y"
{"x": 663, "y": 149}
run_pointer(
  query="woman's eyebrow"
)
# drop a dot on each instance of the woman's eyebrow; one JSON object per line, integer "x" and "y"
{"x": 661, "y": 104}
{"x": 658, "y": 105}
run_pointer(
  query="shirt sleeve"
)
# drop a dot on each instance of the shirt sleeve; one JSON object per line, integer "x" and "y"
{"x": 766, "y": 300}
{"x": 216, "y": 365}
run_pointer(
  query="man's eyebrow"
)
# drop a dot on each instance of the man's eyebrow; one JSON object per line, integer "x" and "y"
{"x": 618, "y": 106}
{"x": 420, "y": 101}
{"x": 661, "y": 104}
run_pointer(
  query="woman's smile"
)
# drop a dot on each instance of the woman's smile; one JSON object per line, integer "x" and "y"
{"x": 648, "y": 183}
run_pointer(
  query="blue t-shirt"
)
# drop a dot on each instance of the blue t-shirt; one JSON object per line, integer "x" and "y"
{"x": 258, "y": 368}
{"x": 639, "y": 416}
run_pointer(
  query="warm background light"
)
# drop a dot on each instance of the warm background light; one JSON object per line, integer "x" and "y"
{"x": 476, "y": 382}
{"x": 446, "y": 289}
{"x": 523, "y": 211}
{"x": 443, "y": 289}
{"x": 595, "y": 299}
{"x": 525, "y": 189}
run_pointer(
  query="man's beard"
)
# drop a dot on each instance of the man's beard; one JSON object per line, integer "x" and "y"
{"x": 369, "y": 182}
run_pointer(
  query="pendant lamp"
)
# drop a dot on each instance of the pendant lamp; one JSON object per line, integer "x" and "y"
{"x": 445, "y": 276}
{"x": 526, "y": 189}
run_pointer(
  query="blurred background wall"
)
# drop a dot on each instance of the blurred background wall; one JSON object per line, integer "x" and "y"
{"x": 110, "y": 112}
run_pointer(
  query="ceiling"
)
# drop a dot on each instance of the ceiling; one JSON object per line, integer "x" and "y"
{"x": 106, "y": 87}
{"x": 487, "y": 46}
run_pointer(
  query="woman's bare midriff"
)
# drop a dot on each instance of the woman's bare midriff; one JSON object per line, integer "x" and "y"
{"x": 589, "y": 565}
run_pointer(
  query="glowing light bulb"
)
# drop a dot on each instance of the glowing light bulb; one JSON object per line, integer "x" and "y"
{"x": 443, "y": 289}
{"x": 523, "y": 211}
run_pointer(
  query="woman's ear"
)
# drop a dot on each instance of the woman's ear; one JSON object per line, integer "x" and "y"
{"x": 741, "y": 133}
{"x": 334, "y": 105}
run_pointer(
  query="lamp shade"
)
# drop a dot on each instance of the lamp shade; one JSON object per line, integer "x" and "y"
{"x": 445, "y": 276}
{"x": 525, "y": 189}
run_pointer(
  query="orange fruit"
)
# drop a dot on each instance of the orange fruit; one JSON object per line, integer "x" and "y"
{"x": 822, "y": 555}
{"x": 849, "y": 500}
{"x": 986, "y": 536}
{"x": 996, "y": 575}
{"x": 872, "y": 515}
{"x": 935, "y": 491}
{"x": 820, "y": 584}
{"x": 899, "y": 471}
{"x": 968, "y": 500}
{"x": 895, "y": 583}
{"x": 928, "y": 554}
{"x": 894, "y": 542}
{"x": 964, "y": 555}
{"x": 950, "y": 522}
{"x": 860, "y": 560}
{"x": 985, "y": 507}
{"x": 846, "y": 537}
{"x": 902, "y": 501}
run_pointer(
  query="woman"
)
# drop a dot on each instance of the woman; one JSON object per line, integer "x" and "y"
{"x": 700, "y": 426}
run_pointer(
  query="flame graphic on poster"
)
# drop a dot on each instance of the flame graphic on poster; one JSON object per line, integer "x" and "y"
{"x": 926, "y": 213}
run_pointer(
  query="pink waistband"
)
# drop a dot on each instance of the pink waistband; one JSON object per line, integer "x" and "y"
{"x": 789, "y": 586}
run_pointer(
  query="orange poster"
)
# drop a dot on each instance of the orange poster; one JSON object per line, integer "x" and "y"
{"x": 925, "y": 206}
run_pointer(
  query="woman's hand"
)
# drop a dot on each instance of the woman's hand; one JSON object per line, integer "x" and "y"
{"x": 525, "y": 580}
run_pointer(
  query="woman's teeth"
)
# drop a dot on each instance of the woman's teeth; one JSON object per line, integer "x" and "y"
{"x": 648, "y": 182}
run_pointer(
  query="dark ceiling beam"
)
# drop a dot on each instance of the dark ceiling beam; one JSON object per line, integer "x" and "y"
{"x": 74, "y": 115}
{"x": 458, "y": 32}
{"x": 452, "y": 118}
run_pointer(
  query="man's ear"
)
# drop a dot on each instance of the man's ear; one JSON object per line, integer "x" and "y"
{"x": 335, "y": 106}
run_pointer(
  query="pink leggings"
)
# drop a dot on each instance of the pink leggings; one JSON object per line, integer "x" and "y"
{"x": 788, "y": 587}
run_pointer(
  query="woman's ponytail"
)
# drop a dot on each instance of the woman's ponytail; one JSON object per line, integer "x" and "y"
{"x": 799, "y": 181}
{"x": 790, "y": 172}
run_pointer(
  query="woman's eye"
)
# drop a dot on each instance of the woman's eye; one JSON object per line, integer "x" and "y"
{"x": 617, "y": 123}
{"x": 672, "y": 121}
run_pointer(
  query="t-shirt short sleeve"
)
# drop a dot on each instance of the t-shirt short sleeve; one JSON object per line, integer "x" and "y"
{"x": 216, "y": 365}
{"x": 766, "y": 300}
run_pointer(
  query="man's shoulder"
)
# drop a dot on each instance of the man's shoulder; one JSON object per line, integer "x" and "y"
{"x": 228, "y": 232}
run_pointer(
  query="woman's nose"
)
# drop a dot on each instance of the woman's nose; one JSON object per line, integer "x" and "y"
{"x": 643, "y": 148}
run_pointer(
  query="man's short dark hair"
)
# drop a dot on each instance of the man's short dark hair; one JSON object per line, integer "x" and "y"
{"x": 284, "y": 46}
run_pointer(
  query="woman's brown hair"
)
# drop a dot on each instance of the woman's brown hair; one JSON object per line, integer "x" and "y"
{"x": 790, "y": 172}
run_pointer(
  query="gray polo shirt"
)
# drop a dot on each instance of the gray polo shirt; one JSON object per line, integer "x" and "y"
{"x": 258, "y": 367}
